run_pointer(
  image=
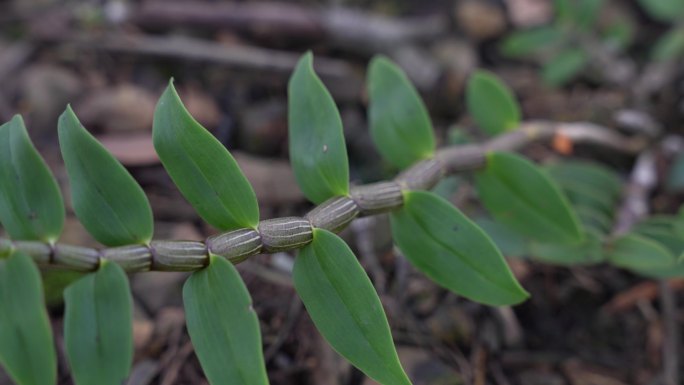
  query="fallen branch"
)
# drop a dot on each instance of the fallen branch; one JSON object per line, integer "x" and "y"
{"x": 344, "y": 81}
{"x": 341, "y": 28}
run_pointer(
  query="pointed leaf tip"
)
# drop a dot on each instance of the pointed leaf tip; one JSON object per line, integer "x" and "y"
{"x": 202, "y": 168}
{"x": 31, "y": 206}
{"x": 491, "y": 103}
{"x": 318, "y": 152}
{"x": 345, "y": 308}
{"x": 453, "y": 251}
{"x": 400, "y": 125}
{"x": 520, "y": 195}
{"x": 106, "y": 198}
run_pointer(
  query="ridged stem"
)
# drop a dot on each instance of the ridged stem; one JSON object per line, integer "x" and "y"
{"x": 335, "y": 214}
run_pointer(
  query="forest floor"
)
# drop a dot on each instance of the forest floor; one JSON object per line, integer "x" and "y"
{"x": 583, "y": 325}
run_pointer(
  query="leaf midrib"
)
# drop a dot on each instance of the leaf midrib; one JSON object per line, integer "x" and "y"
{"x": 446, "y": 246}
{"x": 328, "y": 274}
{"x": 98, "y": 191}
{"x": 212, "y": 283}
{"x": 23, "y": 201}
{"x": 205, "y": 178}
{"x": 523, "y": 198}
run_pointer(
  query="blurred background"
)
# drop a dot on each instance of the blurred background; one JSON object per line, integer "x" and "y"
{"x": 615, "y": 63}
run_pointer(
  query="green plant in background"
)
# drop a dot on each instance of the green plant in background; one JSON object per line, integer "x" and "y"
{"x": 670, "y": 46}
{"x": 567, "y": 47}
{"x": 593, "y": 191}
{"x": 541, "y": 209}
{"x": 654, "y": 248}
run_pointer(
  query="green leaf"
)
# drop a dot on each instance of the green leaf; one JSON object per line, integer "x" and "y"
{"x": 676, "y": 270}
{"x": 590, "y": 251}
{"x": 491, "y": 103}
{"x": 528, "y": 42}
{"x": 666, "y": 230}
{"x": 107, "y": 200}
{"x": 586, "y": 175}
{"x": 659, "y": 222}
{"x": 399, "y": 122}
{"x": 510, "y": 242}
{"x": 223, "y": 326}
{"x": 581, "y": 196}
{"x": 31, "y": 206}
{"x": 594, "y": 219}
{"x": 453, "y": 251}
{"x": 520, "y": 195}
{"x": 679, "y": 227}
{"x": 564, "y": 67}
{"x": 664, "y": 10}
{"x": 668, "y": 239}
{"x": 317, "y": 150}
{"x": 637, "y": 253}
{"x": 670, "y": 46}
{"x": 98, "y": 327}
{"x": 345, "y": 308}
{"x": 26, "y": 348}
{"x": 201, "y": 167}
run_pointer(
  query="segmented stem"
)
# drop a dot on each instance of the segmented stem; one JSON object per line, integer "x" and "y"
{"x": 335, "y": 214}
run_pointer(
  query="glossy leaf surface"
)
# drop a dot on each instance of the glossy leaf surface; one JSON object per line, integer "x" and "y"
{"x": 27, "y": 352}
{"x": 345, "y": 308}
{"x": 317, "y": 150}
{"x": 107, "y": 200}
{"x": 31, "y": 206}
{"x": 98, "y": 327}
{"x": 399, "y": 122}
{"x": 453, "y": 251}
{"x": 223, "y": 325}
{"x": 520, "y": 195}
{"x": 201, "y": 167}
{"x": 491, "y": 103}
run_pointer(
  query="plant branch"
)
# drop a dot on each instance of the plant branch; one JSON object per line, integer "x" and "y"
{"x": 291, "y": 233}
